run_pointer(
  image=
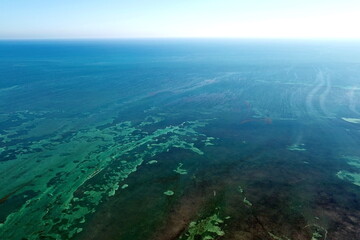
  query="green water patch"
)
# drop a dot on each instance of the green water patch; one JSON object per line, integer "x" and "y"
{"x": 152, "y": 162}
{"x": 240, "y": 189}
{"x": 79, "y": 172}
{"x": 354, "y": 178}
{"x": 318, "y": 232}
{"x": 352, "y": 120}
{"x": 274, "y": 237}
{"x": 208, "y": 141}
{"x": 351, "y": 176}
{"x": 149, "y": 120}
{"x": 245, "y": 200}
{"x": 297, "y": 147}
{"x": 205, "y": 229}
{"x": 169, "y": 193}
{"x": 180, "y": 170}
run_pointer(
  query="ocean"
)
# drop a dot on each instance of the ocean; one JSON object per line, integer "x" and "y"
{"x": 186, "y": 139}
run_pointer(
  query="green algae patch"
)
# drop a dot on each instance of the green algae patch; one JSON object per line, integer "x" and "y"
{"x": 169, "y": 193}
{"x": 247, "y": 202}
{"x": 352, "y": 120}
{"x": 206, "y": 229}
{"x": 79, "y": 171}
{"x": 179, "y": 170}
{"x": 316, "y": 236}
{"x": 297, "y": 147}
{"x": 353, "y": 176}
{"x": 318, "y": 232}
{"x": 114, "y": 188}
{"x": 273, "y": 236}
{"x": 208, "y": 142}
{"x": 149, "y": 120}
{"x": 152, "y": 162}
{"x": 124, "y": 186}
{"x": 352, "y": 161}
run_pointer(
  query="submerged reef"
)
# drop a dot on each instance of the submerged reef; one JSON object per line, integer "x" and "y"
{"x": 297, "y": 147}
{"x": 274, "y": 237}
{"x": 152, "y": 162}
{"x": 179, "y": 170}
{"x": 352, "y": 120}
{"x": 245, "y": 200}
{"x": 65, "y": 192}
{"x": 318, "y": 232}
{"x": 205, "y": 229}
{"x": 353, "y": 176}
{"x": 169, "y": 193}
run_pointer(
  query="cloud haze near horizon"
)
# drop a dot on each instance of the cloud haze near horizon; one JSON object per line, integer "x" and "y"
{"x": 177, "y": 19}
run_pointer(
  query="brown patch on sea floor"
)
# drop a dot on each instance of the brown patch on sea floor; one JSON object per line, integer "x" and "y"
{"x": 246, "y": 223}
{"x": 272, "y": 190}
{"x": 343, "y": 219}
{"x": 182, "y": 214}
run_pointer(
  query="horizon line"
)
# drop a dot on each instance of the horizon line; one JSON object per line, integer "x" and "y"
{"x": 179, "y": 38}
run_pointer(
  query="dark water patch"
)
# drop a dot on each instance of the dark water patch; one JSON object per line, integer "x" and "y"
{"x": 12, "y": 202}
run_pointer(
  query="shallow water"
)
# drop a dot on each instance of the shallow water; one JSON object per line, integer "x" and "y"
{"x": 179, "y": 139}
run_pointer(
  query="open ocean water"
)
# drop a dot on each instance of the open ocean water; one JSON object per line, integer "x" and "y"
{"x": 180, "y": 139}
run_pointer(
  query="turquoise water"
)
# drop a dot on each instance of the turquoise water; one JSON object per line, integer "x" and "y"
{"x": 179, "y": 139}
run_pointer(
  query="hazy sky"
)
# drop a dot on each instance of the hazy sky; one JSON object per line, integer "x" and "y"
{"x": 179, "y": 18}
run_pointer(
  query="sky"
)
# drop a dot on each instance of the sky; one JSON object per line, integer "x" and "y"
{"x": 53, "y": 19}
